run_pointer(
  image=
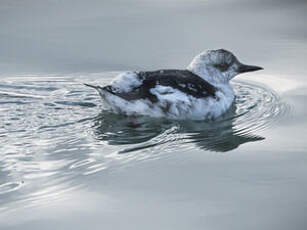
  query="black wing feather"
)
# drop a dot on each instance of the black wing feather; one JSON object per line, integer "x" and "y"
{"x": 183, "y": 80}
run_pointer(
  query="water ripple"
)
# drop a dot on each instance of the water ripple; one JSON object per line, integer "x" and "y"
{"x": 255, "y": 108}
{"x": 10, "y": 187}
{"x": 55, "y": 132}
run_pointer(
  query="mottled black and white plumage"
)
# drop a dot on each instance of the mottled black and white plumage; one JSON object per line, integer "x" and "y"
{"x": 202, "y": 91}
{"x": 183, "y": 80}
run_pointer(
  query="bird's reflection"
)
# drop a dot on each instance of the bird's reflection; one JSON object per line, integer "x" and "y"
{"x": 219, "y": 135}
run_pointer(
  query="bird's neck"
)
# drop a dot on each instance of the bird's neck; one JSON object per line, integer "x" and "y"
{"x": 210, "y": 77}
{"x": 198, "y": 67}
{"x": 224, "y": 88}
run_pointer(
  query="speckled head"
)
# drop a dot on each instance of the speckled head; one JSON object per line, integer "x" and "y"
{"x": 219, "y": 66}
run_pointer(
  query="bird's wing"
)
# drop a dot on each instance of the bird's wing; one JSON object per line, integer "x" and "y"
{"x": 182, "y": 80}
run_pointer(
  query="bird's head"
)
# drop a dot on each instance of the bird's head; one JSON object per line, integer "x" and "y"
{"x": 219, "y": 66}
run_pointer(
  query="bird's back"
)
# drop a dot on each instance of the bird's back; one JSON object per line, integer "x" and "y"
{"x": 182, "y": 80}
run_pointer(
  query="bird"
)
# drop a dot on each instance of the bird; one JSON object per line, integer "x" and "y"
{"x": 201, "y": 91}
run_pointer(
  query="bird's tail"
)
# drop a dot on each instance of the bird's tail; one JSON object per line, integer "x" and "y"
{"x": 92, "y": 86}
{"x": 101, "y": 90}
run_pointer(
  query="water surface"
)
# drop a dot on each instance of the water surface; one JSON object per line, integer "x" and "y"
{"x": 66, "y": 163}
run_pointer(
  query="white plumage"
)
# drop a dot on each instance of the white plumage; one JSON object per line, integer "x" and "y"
{"x": 177, "y": 94}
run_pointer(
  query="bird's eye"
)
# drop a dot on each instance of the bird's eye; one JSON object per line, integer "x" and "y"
{"x": 222, "y": 67}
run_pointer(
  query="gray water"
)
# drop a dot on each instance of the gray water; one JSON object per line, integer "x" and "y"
{"x": 66, "y": 163}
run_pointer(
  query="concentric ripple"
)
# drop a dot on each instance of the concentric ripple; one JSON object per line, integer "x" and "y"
{"x": 255, "y": 108}
{"x": 54, "y": 132}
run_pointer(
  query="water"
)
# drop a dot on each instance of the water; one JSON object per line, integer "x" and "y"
{"x": 66, "y": 163}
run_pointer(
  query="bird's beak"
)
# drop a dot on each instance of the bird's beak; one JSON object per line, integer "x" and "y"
{"x": 248, "y": 68}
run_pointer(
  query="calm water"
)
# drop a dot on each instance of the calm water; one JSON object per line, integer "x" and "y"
{"x": 66, "y": 163}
